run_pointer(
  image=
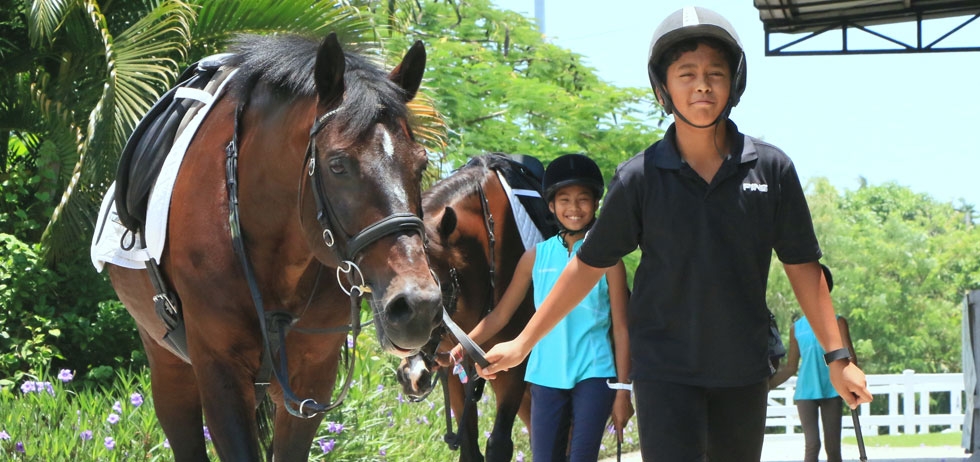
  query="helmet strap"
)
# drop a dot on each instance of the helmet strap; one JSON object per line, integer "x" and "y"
{"x": 563, "y": 231}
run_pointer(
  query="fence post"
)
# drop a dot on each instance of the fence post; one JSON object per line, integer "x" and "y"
{"x": 908, "y": 405}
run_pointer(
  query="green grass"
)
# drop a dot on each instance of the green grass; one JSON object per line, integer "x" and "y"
{"x": 909, "y": 441}
{"x": 117, "y": 423}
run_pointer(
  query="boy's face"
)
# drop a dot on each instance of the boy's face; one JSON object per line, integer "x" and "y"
{"x": 574, "y": 206}
{"x": 699, "y": 83}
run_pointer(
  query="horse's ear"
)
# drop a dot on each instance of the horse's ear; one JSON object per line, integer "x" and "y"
{"x": 329, "y": 71}
{"x": 448, "y": 223}
{"x": 408, "y": 73}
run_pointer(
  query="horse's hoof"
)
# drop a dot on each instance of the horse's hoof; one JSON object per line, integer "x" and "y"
{"x": 500, "y": 449}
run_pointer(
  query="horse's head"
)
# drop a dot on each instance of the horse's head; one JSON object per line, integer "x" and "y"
{"x": 365, "y": 170}
{"x": 457, "y": 222}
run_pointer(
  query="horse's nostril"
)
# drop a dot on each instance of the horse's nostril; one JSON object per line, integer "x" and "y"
{"x": 398, "y": 311}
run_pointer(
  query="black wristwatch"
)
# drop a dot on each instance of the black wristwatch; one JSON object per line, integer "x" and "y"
{"x": 838, "y": 354}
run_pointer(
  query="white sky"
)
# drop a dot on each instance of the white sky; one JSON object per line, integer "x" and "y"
{"x": 909, "y": 118}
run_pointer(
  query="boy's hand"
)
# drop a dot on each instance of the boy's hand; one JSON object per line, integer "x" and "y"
{"x": 850, "y": 383}
{"x": 502, "y": 357}
{"x": 621, "y": 412}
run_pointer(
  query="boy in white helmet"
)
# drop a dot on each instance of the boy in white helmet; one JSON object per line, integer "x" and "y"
{"x": 707, "y": 206}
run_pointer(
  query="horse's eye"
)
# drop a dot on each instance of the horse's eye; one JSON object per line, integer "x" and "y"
{"x": 337, "y": 166}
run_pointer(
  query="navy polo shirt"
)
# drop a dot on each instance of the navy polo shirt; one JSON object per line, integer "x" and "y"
{"x": 698, "y": 313}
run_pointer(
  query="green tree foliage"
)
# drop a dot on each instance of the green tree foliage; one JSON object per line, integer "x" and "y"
{"x": 502, "y": 87}
{"x": 902, "y": 262}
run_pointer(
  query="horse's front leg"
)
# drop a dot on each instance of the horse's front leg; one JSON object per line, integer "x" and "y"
{"x": 313, "y": 364}
{"x": 509, "y": 389}
{"x": 226, "y": 355}
{"x": 176, "y": 401}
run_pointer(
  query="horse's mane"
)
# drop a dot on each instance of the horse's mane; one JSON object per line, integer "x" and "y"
{"x": 468, "y": 178}
{"x": 286, "y": 62}
{"x": 462, "y": 182}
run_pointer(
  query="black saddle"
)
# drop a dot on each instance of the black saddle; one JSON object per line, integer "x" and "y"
{"x": 523, "y": 171}
{"x": 147, "y": 148}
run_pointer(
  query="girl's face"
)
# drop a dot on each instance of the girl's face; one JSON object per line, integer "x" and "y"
{"x": 574, "y": 206}
{"x": 699, "y": 83}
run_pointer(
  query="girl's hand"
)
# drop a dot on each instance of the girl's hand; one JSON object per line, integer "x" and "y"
{"x": 621, "y": 412}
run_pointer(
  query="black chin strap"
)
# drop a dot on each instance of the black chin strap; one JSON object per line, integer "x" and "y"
{"x": 563, "y": 231}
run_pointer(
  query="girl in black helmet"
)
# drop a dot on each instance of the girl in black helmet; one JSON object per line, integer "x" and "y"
{"x": 707, "y": 206}
{"x": 574, "y": 369}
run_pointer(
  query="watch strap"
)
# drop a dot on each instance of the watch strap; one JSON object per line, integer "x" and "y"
{"x": 836, "y": 355}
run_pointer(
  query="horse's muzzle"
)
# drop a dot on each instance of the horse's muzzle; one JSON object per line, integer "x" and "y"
{"x": 408, "y": 318}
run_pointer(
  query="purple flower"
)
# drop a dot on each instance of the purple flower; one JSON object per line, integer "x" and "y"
{"x": 431, "y": 405}
{"x": 207, "y": 433}
{"x": 382, "y": 452}
{"x": 334, "y": 427}
{"x": 327, "y": 445}
{"x": 380, "y": 388}
{"x": 113, "y": 418}
{"x": 20, "y": 447}
{"x": 400, "y": 399}
{"x": 117, "y": 406}
{"x": 524, "y": 430}
{"x": 28, "y": 386}
{"x": 110, "y": 443}
{"x": 65, "y": 375}
{"x": 166, "y": 443}
{"x": 4, "y": 435}
{"x": 136, "y": 399}
{"x": 350, "y": 341}
{"x": 520, "y": 456}
{"x": 86, "y": 435}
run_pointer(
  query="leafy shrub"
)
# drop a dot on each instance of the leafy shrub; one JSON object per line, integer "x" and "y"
{"x": 50, "y": 314}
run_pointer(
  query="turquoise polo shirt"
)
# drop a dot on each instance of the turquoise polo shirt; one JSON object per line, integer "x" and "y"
{"x": 580, "y": 346}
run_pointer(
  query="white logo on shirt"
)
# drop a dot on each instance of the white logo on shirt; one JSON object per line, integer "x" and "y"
{"x": 755, "y": 187}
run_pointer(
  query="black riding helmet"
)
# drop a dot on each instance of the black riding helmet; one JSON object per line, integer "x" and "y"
{"x": 695, "y": 22}
{"x": 572, "y": 169}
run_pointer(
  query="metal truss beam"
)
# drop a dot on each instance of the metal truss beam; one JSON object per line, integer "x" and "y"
{"x": 861, "y": 25}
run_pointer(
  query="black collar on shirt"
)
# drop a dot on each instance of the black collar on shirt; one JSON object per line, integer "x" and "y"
{"x": 665, "y": 154}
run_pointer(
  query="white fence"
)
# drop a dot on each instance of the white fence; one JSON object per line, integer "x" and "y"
{"x": 908, "y": 395}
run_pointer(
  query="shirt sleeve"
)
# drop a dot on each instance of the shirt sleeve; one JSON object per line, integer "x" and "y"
{"x": 795, "y": 241}
{"x": 617, "y": 231}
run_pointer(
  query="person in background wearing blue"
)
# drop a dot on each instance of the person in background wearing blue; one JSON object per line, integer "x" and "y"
{"x": 814, "y": 392}
{"x": 707, "y": 206}
{"x": 579, "y": 371}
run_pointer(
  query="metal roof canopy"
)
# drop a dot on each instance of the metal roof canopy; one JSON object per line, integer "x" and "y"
{"x": 814, "y": 17}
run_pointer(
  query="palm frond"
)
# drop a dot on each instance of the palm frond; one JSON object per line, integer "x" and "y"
{"x": 44, "y": 18}
{"x": 217, "y": 22}
{"x": 141, "y": 62}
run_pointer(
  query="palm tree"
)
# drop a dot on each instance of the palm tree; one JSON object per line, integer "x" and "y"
{"x": 75, "y": 87}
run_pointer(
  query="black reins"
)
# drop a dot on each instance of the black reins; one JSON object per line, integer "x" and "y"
{"x": 275, "y": 324}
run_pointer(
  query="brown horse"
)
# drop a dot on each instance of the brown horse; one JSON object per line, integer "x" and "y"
{"x": 328, "y": 176}
{"x": 474, "y": 246}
